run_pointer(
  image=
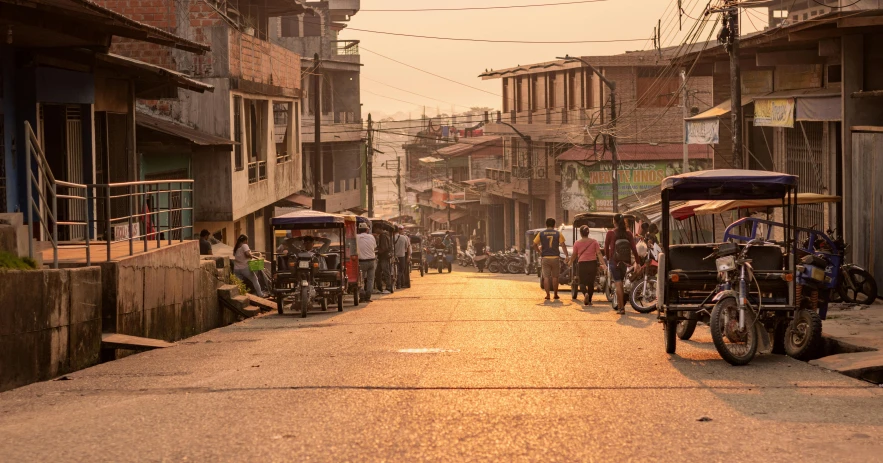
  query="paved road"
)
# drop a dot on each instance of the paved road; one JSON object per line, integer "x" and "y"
{"x": 461, "y": 367}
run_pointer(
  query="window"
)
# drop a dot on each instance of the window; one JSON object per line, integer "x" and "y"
{"x": 291, "y": 26}
{"x": 834, "y": 73}
{"x": 654, "y": 90}
{"x": 255, "y": 131}
{"x": 571, "y": 90}
{"x": 237, "y": 131}
{"x": 534, "y": 96}
{"x": 284, "y": 130}
{"x": 505, "y": 95}
{"x": 552, "y": 84}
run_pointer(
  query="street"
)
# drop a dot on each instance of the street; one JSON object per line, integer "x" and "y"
{"x": 461, "y": 367}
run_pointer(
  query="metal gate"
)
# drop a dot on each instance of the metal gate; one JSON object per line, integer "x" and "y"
{"x": 806, "y": 157}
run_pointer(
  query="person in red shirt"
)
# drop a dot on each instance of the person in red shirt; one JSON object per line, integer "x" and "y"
{"x": 619, "y": 246}
{"x": 587, "y": 253}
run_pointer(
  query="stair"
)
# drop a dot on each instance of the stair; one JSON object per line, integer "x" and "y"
{"x": 265, "y": 305}
{"x": 229, "y": 297}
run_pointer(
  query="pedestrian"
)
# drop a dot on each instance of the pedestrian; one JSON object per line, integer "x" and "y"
{"x": 367, "y": 258}
{"x": 205, "y": 246}
{"x": 587, "y": 253}
{"x": 402, "y": 247}
{"x": 480, "y": 254}
{"x": 241, "y": 255}
{"x": 384, "y": 256}
{"x": 547, "y": 243}
{"x": 619, "y": 246}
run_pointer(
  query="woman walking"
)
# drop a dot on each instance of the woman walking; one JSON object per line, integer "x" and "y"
{"x": 587, "y": 252}
{"x": 241, "y": 255}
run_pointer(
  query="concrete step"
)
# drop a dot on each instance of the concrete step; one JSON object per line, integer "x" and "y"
{"x": 867, "y": 366}
{"x": 241, "y": 302}
{"x": 228, "y": 292}
{"x": 124, "y": 341}
{"x": 264, "y": 304}
{"x": 240, "y": 305}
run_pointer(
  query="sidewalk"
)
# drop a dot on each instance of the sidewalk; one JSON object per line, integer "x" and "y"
{"x": 854, "y": 337}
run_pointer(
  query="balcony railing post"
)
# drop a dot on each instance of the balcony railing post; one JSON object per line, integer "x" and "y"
{"x": 143, "y": 199}
{"x": 169, "y": 213}
{"x": 107, "y": 236}
{"x": 88, "y": 227}
{"x": 181, "y": 212}
{"x": 131, "y": 231}
{"x": 54, "y": 236}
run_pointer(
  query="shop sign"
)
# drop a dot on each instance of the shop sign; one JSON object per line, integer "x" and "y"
{"x": 774, "y": 112}
{"x": 703, "y": 132}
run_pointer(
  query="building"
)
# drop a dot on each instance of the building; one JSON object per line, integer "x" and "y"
{"x": 255, "y": 105}
{"x": 811, "y": 107}
{"x": 59, "y": 78}
{"x": 342, "y": 136}
{"x": 564, "y": 109}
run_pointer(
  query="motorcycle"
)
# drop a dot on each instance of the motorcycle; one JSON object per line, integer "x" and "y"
{"x": 439, "y": 259}
{"x": 855, "y": 285}
{"x": 496, "y": 263}
{"x": 515, "y": 263}
{"x": 803, "y": 335}
{"x": 643, "y": 295}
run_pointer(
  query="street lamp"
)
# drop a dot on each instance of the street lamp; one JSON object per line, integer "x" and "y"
{"x": 614, "y": 155}
{"x": 528, "y": 142}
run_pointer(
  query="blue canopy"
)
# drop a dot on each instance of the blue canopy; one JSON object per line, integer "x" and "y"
{"x": 307, "y": 218}
{"x": 728, "y": 184}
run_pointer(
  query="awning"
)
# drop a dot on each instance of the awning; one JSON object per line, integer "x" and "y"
{"x": 721, "y": 206}
{"x": 442, "y": 216}
{"x": 181, "y": 80}
{"x": 457, "y": 202}
{"x": 431, "y": 160}
{"x": 687, "y": 210}
{"x": 704, "y": 128}
{"x": 724, "y": 108}
{"x": 812, "y": 104}
{"x": 178, "y": 130}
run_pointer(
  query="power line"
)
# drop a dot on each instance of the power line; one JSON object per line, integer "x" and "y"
{"x": 489, "y": 7}
{"x": 459, "y": 39}
{"x": 413, "y": 93}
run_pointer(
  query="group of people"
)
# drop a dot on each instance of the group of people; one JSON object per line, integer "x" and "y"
{"x": 375, "y": 253}
{"x": 619, "y": 247}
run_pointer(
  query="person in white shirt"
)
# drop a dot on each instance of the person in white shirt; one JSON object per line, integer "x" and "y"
{"x": 402, "y": 246}
{"x": 241, "y": 255}
{"x": 367, "y": 258}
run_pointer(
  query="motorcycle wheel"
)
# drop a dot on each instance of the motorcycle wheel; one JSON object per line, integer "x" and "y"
{"x": 640, "y": 303}
{"x": 421, "y": 270}
{"x": 494, "y": 267}
{"x": 514, "y": 267}
{"x": 610, "y": 291}
{"x": 669, "y": 329}
{"x": 736, "y": 346}
{"x": 687, "y": 327}
{"x": 804, "y": 335}
{"x": 305, "y": 302}
{"x": 450, "y": 268}
{"x": 340, "y": 302}
{"x": 280, "y": 303}
{"x": 863, "y": 287}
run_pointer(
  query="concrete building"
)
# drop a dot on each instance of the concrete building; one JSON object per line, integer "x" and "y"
{"x": 564, "y": 108}
{"x": 255, "y": 105}
{"x": 342, "y": 136}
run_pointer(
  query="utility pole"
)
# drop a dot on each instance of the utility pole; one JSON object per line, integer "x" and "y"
{"x": 318, "y": 203}
{"x": 612, "y": 138}
{"x": 369, "y": 167}
{"x": 684, "y": 166}
{"x": 399, "y": 184}
{"x": 729, "y": 37}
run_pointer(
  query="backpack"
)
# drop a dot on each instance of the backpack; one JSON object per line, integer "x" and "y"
{"x": 622, "y": 249}
{"x": 383, "y": 245}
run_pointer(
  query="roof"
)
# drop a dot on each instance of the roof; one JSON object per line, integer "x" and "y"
{"x": 442, "y": 216}
{"x": 181, "y": 80}
{"x": 470, "y": 145}
{"x": 431, "y": 160}
{"x": 176, "y": 129}
{"x": 803, "y": 93}
{"x": 728, "y": 184}
{"x": 307, "y": 217}
{"x": 636, "y": 152}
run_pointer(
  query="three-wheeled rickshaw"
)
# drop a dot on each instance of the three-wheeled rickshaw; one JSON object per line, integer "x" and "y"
{"x": 417, "y": 256}
{"x": 533, "y": 259}
{"x": 438, "y": 255}
{"x": 748, "y": 288}
{"x": 353, "y": 272}
{"x": 302, "y": 272}
{"x": 378, "y": 227}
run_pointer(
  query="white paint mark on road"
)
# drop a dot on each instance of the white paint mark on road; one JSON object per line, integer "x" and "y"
{"x": 430, "y": 350}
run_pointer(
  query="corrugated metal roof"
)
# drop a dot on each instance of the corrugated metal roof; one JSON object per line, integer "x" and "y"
{"x": 181, "y": 80}
{"x": 179, "y": 130}
{"x": 468, "y": 145}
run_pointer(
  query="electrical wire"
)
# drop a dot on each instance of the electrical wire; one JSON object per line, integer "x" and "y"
{"x": 505, "y": 7}
{"x": 529, "y": 42}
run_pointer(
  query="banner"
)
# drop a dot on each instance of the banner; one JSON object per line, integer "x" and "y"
{"x": 774, "y": 112}
{"x": 590, "y": 188}
{"x": 703, "y": 131}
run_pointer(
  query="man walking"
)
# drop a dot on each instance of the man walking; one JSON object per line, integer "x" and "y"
{"x": 402, "y": 246}
{"x": 547, "y": 243}
{"x": 367, "y": 258}
{"x": 384, "y": 255}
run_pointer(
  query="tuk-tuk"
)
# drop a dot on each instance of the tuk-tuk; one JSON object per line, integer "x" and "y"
{"x": 533, "y": 260}
{"x": 417, "y": 256}
{"x": 598, "y": 223}
{"x": 746, "y": 291}
{"x": 384, "y": 226}
{"x": 309, "y": 275}
{"x": 439, "y": 255}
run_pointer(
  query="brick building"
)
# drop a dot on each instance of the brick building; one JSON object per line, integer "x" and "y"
{"x": 255, "y": 106}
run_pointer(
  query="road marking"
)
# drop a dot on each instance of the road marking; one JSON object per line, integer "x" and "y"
{"x": 426, "y": 350}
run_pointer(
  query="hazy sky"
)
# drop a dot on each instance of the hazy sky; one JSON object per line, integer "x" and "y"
{"x": 464, "y": 61}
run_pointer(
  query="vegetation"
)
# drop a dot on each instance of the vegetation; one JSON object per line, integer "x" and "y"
{"x": 9, "y": 261}
{"x": 234, "y": 280}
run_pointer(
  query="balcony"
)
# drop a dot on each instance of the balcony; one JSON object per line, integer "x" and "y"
{"x": 257, "y": 171}
{"x": 345, "y": 47}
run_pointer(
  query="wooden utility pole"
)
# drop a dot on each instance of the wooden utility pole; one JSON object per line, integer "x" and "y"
{"x": 318, "y": 203}
{"x": 369, "y": 167}
{"x": 732, "y": 14}
{"x": 686, "y": 162}
{"x": 529, "y": 142}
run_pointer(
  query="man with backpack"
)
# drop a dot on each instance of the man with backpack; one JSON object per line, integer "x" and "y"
{"x": 547, "y": 243}
{"x": 619, "y": 246}
{"x": 384, "y": 255}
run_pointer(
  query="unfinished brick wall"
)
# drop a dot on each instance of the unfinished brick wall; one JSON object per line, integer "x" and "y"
{"x": 259, "y": 61}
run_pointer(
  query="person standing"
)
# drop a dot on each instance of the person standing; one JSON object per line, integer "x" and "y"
{"x": 547, "y": 243}
{"x": 619, "y": 246}
{"x": 402, "y": 247}
{"x": 367, "y": 258}
{"x": 480, "y": 254}
{"x": 205, "y": 245}
{"x": 241, "y": 255}
{"x": 384, "y": 255}
{"x": 587, "y": 253}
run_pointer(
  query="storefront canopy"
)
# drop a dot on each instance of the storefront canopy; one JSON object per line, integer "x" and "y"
{"x": 718, "y": 207}
{"x": 704, "y": 128}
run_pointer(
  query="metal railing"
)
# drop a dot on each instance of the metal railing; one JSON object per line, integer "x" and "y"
{"x": 346, "y": 47}
{"x": 115, "y": 212}
{"x": 257, "y": 171}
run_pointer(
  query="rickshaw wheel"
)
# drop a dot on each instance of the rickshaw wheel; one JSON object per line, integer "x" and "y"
{"x": 573, "y": 291}
{"x": 450, "y": 267}
{"x": 324, "y": 304}
{"x": 736, "y": 346}
{"x": 670, "y": 328}
{"x": 803, "y": 335}
{"x": 356, "y": 297}
{"x": 687, "y": 327}
{"x": 304, "y": 302}
{"x": 280, "y": 303}
{"x": 421, "y": 270}
{"x": 340, "y": 302}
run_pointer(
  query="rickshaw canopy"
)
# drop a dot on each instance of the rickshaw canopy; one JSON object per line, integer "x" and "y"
{"x": 383, "y": 225}
{"x": 307, "y": 219}
{"x": 718, "y": 207}
{"x": 598, "y": 219}
{"x": 728, "y": 184}
{"x": 442, "y": 233}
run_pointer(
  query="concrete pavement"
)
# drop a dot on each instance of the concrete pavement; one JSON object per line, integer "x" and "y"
{"x": 462, "y": 367}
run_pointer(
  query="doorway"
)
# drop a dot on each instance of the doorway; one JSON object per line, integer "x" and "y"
{"x": 61, "y": 135}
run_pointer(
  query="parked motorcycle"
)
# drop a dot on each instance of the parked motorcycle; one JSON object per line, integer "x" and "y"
{"x": 643, "y": 295}
{"x": 496, "y": 262}
{"x": 515, "y": 263}
{"x": 855, "y": 285}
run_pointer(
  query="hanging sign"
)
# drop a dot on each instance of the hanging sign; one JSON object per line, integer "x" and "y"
{"x": 774, "y": 112}
{"x": 703, "y": 131}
